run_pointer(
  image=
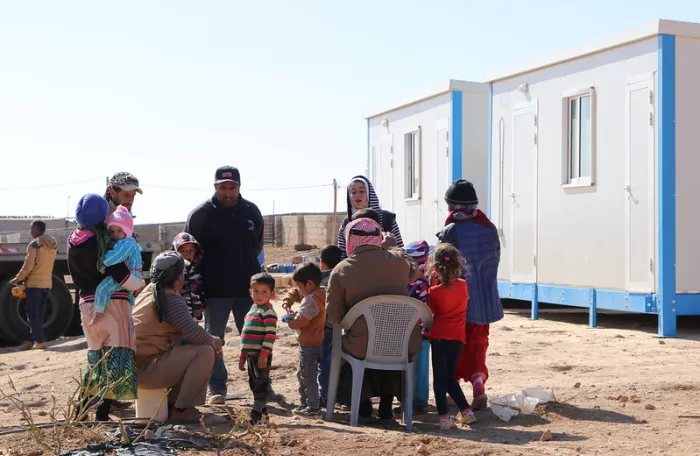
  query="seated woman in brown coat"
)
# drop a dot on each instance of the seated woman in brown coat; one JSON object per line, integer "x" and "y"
{"x": 172, "y": 350}
{"x": 368, "y": 271}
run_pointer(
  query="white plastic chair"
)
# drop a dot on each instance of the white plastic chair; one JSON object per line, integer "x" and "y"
{"x": 390, "y": 322}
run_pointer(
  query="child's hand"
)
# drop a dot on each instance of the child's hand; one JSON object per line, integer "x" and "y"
{"x": 262, "y": 361}
{"x": 241, "y": 363}
{"x": 286, "y": 318}
{"x": 287, "y": 307}
{"x": 96, "y": 319}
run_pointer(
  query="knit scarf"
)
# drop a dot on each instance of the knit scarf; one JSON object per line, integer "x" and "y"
{"x": 459, "y": 215}
{"x": 104, "y": 245}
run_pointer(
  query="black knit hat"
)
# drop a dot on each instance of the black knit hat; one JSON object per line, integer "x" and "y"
{"x": 462, "y": 193}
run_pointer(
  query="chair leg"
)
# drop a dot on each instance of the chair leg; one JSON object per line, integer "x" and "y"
{"x": 407, "y": 404}
{"x": 333, "y": 385}
{"x": 358, "y": 375}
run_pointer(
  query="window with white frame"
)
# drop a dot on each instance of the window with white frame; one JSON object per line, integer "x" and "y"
{"x": 412, "y": 165}
{"x": 580, "y": 114}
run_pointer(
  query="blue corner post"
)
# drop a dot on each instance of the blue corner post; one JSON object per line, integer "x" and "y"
{"x": 456, "y": 135}
{"x": 534, "y": 304}
{"x": 666, "y": 101}
{"x": 593, "y": 310}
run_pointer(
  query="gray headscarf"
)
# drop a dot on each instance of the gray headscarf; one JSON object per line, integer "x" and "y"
{"x": 165, "y": 270}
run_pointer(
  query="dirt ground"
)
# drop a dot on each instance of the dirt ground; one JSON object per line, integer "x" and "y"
{"x": 619, "y": 391}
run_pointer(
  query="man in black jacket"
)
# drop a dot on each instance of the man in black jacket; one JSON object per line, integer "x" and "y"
{"x": 230, "y": 230}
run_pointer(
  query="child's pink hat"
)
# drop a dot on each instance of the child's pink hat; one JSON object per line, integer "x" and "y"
{"x": 123, "y": 219}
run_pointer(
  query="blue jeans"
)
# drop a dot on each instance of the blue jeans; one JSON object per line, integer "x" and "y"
{"x": 324, "y": 367}
{"x": 215, "y": 319}
{"x": 34, "y": 305}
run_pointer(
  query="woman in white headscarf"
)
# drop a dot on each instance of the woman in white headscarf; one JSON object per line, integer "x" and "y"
{"x": 361, "y": 195}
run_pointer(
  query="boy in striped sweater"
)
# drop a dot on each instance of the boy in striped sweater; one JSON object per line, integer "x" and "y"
{"x": 257, "y": 338}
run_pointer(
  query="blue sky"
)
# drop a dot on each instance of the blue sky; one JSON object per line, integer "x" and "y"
{"x": 170, "y": 90}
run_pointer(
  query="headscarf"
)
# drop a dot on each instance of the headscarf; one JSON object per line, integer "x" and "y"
{"x": 165, "y": 270}
{"x": 419, "y": 251}
{"x": 91, "y": 212}
{"x": 362, "y": 231}
{"x": 372, "y": 199}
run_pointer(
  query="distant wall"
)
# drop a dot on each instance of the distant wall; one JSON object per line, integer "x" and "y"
{"x": 309, "y": 229}
{"x": 12, "y": 224}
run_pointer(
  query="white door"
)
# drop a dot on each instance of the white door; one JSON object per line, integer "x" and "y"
{"x": 385, "y": 186}
{"x": 442, "y": 177}
{"x": 523, "y": 230}
{"x": 639, "y": 186}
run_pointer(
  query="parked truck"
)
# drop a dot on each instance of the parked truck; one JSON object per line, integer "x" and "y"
{"x": 62, "y": 316}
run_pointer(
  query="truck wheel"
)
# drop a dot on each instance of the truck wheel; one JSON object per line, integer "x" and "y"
{"x": 13, "y": 318}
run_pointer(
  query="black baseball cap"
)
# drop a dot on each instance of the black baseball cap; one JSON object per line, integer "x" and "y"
{"x": 227, "y": 174}
{"x": 125, "y": 181}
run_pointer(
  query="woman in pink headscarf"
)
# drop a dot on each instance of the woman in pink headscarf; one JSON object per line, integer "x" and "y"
{"x": 368, "y": 271}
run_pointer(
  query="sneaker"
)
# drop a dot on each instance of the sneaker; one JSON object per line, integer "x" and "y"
{"x": 308, "y": 411}
{"x": 447, "y": 423}
{"x": 256, "y": 418}
{"x": 217, "y": 399}
{"x": 344, "y": 408}
{"x": 39, "y": 346}
{"x": 467, "y": 418}
{"x": 298, "y": 410}
{"x": 259, "y": 418}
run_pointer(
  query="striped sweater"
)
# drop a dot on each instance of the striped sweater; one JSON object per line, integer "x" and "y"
{"x": 259, "y": 330}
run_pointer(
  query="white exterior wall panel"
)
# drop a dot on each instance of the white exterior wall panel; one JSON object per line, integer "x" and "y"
{"x": 687, "y": 165}
{"x": 416, "y": 218}
{"x": 475, "y": 137}
{"x": 580, "y": 231}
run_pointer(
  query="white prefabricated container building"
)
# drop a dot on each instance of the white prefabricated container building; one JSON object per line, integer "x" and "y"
{"x": 593, "y": 162}
{"x": 416, "y": 149}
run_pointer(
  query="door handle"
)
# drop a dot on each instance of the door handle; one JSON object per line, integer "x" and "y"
{"x": 627, "y": 188}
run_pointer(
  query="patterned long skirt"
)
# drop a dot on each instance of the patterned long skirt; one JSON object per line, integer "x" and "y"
{"x": 111, "y": 371}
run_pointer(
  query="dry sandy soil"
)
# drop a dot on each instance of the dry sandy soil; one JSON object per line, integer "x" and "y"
{"x": 619, "y": 390}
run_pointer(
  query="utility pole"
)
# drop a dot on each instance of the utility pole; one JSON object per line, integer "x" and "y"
{"x": 335, "y": 208}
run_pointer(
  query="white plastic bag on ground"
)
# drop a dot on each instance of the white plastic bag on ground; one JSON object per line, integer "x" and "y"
{"x": 525, "y": 401}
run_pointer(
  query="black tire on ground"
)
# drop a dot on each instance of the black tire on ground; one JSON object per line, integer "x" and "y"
{"x": 13, "y": 319}
{"x": 76, "y": 327}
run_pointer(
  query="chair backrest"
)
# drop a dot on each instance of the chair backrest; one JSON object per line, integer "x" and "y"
{"x": 390, "y": 322}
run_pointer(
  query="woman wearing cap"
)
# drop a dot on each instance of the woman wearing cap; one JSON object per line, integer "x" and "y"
{"x": 468, "y": 229}
{"x": 163, "y": 323}
{"x": 361, "y": 195}
{"x": 368, "y": 271}
{"x": 111, "y": 370}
